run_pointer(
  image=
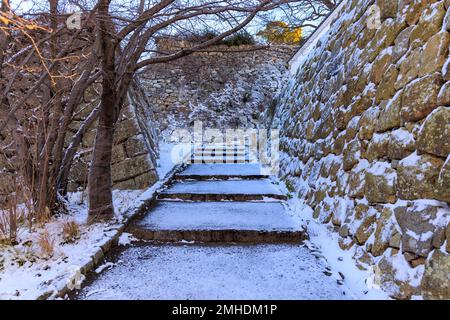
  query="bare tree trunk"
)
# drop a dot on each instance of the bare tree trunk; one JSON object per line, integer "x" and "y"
{"x": 99, "y": 181}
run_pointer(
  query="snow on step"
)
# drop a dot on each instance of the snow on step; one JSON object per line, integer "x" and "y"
{"x": 169, "y": 215}
{"x": 218, "y": 222}
{"x": 223, "y": 190}
{"x": 215, "y": 272}
{"x": 220, "y": 159}
{"x": 223, "y": 171}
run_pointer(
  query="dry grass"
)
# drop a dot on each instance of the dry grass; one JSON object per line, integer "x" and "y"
{"x": 46, "y": 245}
{"x": 11, "y": 219}
{"x": 70, "y": 231}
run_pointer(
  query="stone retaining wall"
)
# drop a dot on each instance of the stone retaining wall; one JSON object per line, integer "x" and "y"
{"x": 222, "y": 89}
{"x": 365, "y": 140}
{"x": 135, "y": 147}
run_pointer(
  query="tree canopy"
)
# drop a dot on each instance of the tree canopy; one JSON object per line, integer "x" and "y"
{"x": 279, "y": 32}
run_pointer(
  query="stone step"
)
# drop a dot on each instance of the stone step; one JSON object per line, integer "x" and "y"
{"x": 219, "y": 171}
{"x": 221, "y": 149}
{"x": 206, "y": 160}
{"x": 217, "y": 153}
{"x": 231, "y": 190}
{"x": 218, "y": 222}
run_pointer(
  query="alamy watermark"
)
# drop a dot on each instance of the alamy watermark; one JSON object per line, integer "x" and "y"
{"x": 199, "y": 145}
{"x": 374, "y": 18}
{"x": 73, "y": 22}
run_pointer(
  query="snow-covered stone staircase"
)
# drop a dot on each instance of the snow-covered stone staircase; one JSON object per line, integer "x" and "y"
{"x": 233, "y": 202}
{"x": 222, "y": 153}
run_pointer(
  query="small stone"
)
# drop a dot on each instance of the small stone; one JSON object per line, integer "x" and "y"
{"x": 365, "y": 230}
{"x": 352, "y": 154}
{"x": 395, "y": 241}
{"x": 344, "y": 231}
{"x": 443, "y": 98}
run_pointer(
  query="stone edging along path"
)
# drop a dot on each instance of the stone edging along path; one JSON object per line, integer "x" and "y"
{"x": 97, "y": 258}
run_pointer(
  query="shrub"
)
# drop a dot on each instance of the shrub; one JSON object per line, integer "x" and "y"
{"x": 70, "y": 231}
{"x": 46, "y": 244}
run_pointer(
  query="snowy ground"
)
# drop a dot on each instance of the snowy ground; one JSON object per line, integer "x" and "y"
{"x": 26, "y": 272}
{"x": 216, "y": 272}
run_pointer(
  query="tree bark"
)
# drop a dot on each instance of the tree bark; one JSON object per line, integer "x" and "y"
{"x": 99, "y": 180}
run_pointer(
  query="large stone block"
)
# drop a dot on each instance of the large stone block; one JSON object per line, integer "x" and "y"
{"x": 356, "y": 184}
{"x": 352, "y": 154}
{"x": 409, "y": 68}
{"x": 365, "y": 229}
{"x": 446, "y": 70}
{"x": 401, "y": 145}
{"x": 389, "y": 117}
{"x": 367, "y": 123}
{"x": 124, "y": 130}
{"x": 145, "y": 180}
{"x": 412, "y": 10}
{"x": 118, "y": 153}
{"x": 417, "y": 227}
{"x": 401, "y": 44}
{"x": 378, "y": 146}
{"x": 381, "y": 64}
{"x": 130, "y": 168}
{"x": 420, "y": 97}
{"x": 386, "y": 88}
{"x": 384, "y": 232}
{"x": 429, "y": 23}
{"x": 444, "y": 182}
{"x": 436, "y": 279}
{"x": 388, "y": 8}
{"x": 384, "y": 37}
{"x": 434, "y": 53}
{"x": 135, "y": 146}
{"x": 380, "y": 183}
{"x": 393, "y": 280}
{"x": 417, "y": 177}
{"x": 434, "y": 136}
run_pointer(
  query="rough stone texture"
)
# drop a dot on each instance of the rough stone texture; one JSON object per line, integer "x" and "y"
{"x": 434, "y": 137}
{"x": 383, "y": 233}
{"x": 417, "y": 228}
{"x": 436, "y": 280}
{"x": 388, "y": 93}
{"x": 398, "y": 289}
{"x": 380, "y": 184}
{"x": 134, "y": 151}
{"x": 221, "y": 89}
{"x": 420, "y": 97}
{"x": 418, "y": 178}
